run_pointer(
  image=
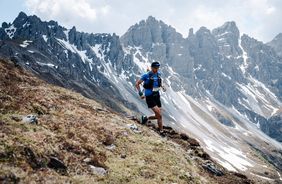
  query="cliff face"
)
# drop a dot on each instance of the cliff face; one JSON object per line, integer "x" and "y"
{"x": 78, "y": 140}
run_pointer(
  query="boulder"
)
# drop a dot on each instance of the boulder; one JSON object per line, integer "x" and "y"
{"x": 212, "y": 169}
{"x": 32, "y": 119}
{"x": 98, "y": 170}
{"x": 57, "y": 164}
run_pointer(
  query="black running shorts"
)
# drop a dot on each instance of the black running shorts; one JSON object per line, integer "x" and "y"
{"x": 153, "y": 100}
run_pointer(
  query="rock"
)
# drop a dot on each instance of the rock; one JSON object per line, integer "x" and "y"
{"x": 97, "y": 162}
{"x": 167, "y": 128}
{"x": 2, "y": 123}
{"x": 30, "y": 119}
{"x": 98, "y": 170}
{"x": 101, "y": 110}
{"x": 134, "y": 118}
{"x": 109, "y": 140}
{"x": 147, "y": 174}
{"x": 56, "y": 164}
{"x": 186, "y": 176}
{"x": 150, "y": 124}
{"x": 87, "y": 160}
{"x": 125, "y": 133}
{"x": 201, "y": 153}
{"x": 16, "y": 118}
{"x": 73, "y": 148}
{"x": 205, "y": 156}
{"x": 40, "y": 110}
{"x": 111, "y": 147}
{"x": 32, "y": 159}
{"x": 212, "y": 169}
{"x": 9, "y": 178}
{"x": 184, "y": 136}
{"x": 193, "y": 142}
{"x": 240, "y": 175}
{"x": 134, "y": 128}
{"x": 123, "y": 156}
{"x": 173, "y": 132}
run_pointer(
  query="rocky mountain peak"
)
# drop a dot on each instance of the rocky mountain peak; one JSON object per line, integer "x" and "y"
{"x": 276, "y": 44}
{"x": 191, "y": 32}
{"x": 148, "y": 32}
{"x": 229, "y": 26}
{"x": 278, "y": 37}
{"x": 152, "y": 20}
{"x": 246, "y": 39}
{"x": 203, "y": 30}
{"x": 21, "y": 18}
{"x": 31, "y": 28}
{"x": 228, "y": 36}
{"x": 22, "y": 15}
{"x": 226, "y": 29}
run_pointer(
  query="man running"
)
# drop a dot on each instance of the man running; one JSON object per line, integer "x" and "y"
{"x": 152, "y": 85}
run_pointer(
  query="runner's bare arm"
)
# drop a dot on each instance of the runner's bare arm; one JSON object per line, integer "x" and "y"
{"x": 137, "y": 85}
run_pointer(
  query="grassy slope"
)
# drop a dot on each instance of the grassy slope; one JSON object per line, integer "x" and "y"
{"x": 73, "y": 128}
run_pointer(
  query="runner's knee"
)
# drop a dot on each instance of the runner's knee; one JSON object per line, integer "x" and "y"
{"x": 158, "y": 114}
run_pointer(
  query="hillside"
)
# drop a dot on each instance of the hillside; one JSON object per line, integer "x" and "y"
{"x": 77, "y": 140}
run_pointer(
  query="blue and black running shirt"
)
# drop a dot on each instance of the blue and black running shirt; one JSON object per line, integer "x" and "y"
{"x": 146, "y": 78}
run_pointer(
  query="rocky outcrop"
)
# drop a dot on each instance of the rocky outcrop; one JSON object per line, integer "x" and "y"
{"x": 276, "y": 44}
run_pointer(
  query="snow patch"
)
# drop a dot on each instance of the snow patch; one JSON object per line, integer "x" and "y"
{"x": 10, "y": 31}
{"x": 97, "y": 50}
{"x": 262, "y": 177}
{"x": 51, "y": 26}
{"x": 73, "y": 49}
{"x": 227, "y": 76}
{"x": 198, "y": 67}
{"x": 26, "y": 24}
{"x": 279, "y": 176}
{"x": 223, "y": 34}
{"x": 67, "y": 34}
{"x": 244, "y": 65}
{"x": 45, "y": 38}
{"x": 25, "y": 43}
{"x": 47, "y": 64}
{"x": 143, "y": 64}
{"x": 233, "y": 158}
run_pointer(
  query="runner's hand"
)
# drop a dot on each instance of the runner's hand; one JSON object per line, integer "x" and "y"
{"x": 140, "y": 93}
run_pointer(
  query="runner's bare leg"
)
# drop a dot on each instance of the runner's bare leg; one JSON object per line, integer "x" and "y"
{"x": 158, "y": 116}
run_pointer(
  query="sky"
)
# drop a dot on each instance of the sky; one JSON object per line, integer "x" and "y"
{"x": 260, "y": 19}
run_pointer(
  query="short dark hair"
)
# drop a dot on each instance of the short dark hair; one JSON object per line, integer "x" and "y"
{"x": 155, "y": 64}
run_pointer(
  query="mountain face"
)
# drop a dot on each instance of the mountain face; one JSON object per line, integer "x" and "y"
{"x": 65, "y": 57}
{"x": 276, "y": 44}
{"x": 223, "y": 88}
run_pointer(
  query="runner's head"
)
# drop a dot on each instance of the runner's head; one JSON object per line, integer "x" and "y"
{"x": 155, "y": 66}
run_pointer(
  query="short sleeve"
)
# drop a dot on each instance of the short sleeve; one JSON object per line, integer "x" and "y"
{"x": 144, "y": 77}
